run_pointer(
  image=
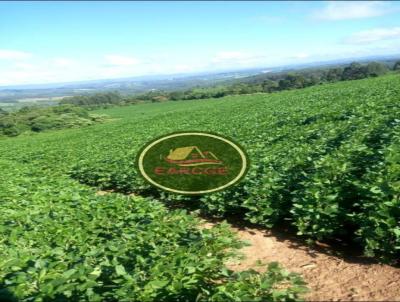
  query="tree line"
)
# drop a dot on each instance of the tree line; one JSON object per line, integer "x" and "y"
{"x": 264, "y": 83}
{"x": 38, "y": 119}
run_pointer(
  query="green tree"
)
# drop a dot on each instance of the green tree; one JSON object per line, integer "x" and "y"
{"x": 3, "y": 112}
{"x": 292, "y": 81}
{"x": 354, "y": 71}
{"x": 334, "y": 74}
{"x": 312, "y": 80}
{"x": 375, "y": 69}
{"x": 176, "y": 95}
{"x": 94, "y": 100}
{"x": 269, "y": 86}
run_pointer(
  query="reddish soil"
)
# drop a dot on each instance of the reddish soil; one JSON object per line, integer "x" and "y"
{"x": 329, "y": 277}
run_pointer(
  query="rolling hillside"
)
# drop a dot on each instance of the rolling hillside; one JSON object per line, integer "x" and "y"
{"x": 324, "y": 163}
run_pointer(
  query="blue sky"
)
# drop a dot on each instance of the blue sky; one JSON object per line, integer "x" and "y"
{"x": 44, "y": 42}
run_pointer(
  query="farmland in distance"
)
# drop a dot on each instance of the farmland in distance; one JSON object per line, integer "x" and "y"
{"x": 324, "y": 163}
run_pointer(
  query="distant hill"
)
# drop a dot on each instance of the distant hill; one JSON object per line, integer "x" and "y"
{"x": 134, "y": 85}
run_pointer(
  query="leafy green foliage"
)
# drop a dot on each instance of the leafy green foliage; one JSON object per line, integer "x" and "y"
{"x": 94, "y": 100}
{"x": 3, "y": 112}
{"x": 242, "y": 285}
{"x": 38, "y": 119}
{"x": 321, "y": 160}
{"x": 324, "y": 160}
{"x": 60, "y": 242}
{"x": 358, "y": 71}
{"x": 396, "y": 66}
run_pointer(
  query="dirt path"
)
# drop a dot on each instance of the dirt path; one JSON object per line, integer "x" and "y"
{"x": 329, "y": 278}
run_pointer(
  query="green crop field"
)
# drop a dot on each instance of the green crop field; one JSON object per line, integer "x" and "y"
{"x": 325, "y": 161}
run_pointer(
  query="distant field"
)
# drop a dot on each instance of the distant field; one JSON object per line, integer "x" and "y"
{"x": 37, "y": 100}
{"x": 324, "y": 162}
{"x": 19, "y": 103}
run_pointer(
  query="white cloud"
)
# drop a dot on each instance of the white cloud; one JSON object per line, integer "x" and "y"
{"x": 6, "y": 54}
{"x": 118, "y": 60}
{"x": 15, "y": 77}
{"x": 63, "y": 62}
{"x": 374, "y": 35}
{"x": 342, "y": 10}
{"x": 58, "y": 69}
{"x": 43, "y": 69}
{"x": 301, "y": 55}
{"x": 183, "y": 68}
{"x": 24, "y": 66}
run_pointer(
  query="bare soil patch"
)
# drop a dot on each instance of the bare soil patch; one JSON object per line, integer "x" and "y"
{"x": 329, "y": 277}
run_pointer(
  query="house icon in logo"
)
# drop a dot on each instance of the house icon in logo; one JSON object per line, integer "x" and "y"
{"x": 192, "y": 156}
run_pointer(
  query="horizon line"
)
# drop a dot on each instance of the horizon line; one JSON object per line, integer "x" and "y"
{"x": 197, "y": 73}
